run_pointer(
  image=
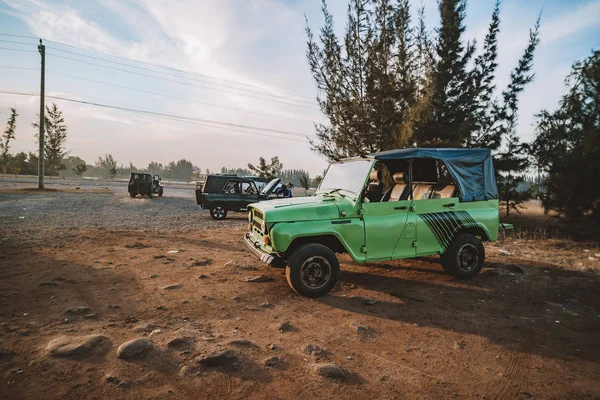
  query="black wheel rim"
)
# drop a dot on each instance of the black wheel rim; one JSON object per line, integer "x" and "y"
{"x": 315, "y": 272}
{"x": 467, "y": 258}
{"x": 219, "y": 212}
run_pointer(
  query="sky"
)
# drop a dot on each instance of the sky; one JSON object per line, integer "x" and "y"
{"x": 247, "y": 69}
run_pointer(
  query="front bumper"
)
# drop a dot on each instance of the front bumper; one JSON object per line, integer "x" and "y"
{"x": 254, "y": 248}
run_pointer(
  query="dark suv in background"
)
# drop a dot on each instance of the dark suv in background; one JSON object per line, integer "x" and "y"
{"x": 223, "y": 193}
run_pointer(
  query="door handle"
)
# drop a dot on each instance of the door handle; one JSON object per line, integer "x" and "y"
{"x": 400, "y": 208}
{"x": 449, "y": 205}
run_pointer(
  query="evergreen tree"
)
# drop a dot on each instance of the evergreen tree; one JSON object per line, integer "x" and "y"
{"x": 8, "y": 135}
{"x": 305, "y": 183}
{"x": 55, "y": 136}
{"x": 567, "y": 146}
{"x": 80, "y": 169}
{"x": 267, "y": 172}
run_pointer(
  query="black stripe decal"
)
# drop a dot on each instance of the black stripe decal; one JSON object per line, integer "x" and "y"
{"x": 444, "y": 225}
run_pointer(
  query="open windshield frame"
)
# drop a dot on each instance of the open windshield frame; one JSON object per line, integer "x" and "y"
{"x": 321, "y": 190}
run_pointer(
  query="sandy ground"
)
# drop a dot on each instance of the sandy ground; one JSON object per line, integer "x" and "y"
{"x": 526, "y": 327}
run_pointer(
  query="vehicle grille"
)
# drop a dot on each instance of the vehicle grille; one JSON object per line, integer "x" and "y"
{"x": 259, "y": 214}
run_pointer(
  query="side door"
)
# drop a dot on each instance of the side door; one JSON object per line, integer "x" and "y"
{"x": 385, "y": 230}
{"x": 249, "y": 194}
{"x": 232, "y": 194}
{"x": 437, "y": 222}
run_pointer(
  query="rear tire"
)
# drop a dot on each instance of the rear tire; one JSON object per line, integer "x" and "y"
{"x": 150, "y": 194}
{"x": 132, "y": 194}
{"x": 218, "y": 212}
{"x": 313, "y": 270}
{"x": 464, "y": 257}
{"x": 160, "y": 192}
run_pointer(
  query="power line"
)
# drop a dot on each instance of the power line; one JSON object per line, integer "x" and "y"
{"x": 13, "y": 67}
{"x": 15, "y": 42}
{"x": 179, "y": 76}
{"x": 153, "y": 113}
{"x": 176, "y": 69}
{"x": 175, "y": 97}
{"x": 25, "y": 51}
{"x": 19, "y": 36}
{"x": 180, "y": 82}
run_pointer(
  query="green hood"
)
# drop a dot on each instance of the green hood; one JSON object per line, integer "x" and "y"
{"x": 310, "y": 208}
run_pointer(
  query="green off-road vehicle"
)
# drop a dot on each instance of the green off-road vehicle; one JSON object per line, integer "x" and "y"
{"x": 391, "y": 205}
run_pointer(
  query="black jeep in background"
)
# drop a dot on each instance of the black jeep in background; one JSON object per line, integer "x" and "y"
{"x": 223, "y": 193}
{"x": 144, "y": 184}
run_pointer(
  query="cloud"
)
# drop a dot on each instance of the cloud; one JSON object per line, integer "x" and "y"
{"x": 567, "y": 25}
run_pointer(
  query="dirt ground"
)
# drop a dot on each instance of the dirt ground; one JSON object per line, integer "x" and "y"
{"x": 526, "y": 327}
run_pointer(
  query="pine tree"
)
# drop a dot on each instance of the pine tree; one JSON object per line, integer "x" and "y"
{"x": 305, "y": 183}
{"x": 482, "y": 81}
{"x": 55, "y": 137}
{"x": 450, "y": 98}
{"x": 9, "y": 134}
{"x": 567, "y": 146}
{"x": 267, "y": 172}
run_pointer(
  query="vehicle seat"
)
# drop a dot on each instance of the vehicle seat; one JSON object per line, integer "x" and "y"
{"x": 375, "y": 186}
{"x": 400, "y": 189}
{"x": 422, "y": 191}
{"x": 442, "y": 191}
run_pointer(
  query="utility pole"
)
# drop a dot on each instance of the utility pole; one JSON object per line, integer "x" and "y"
{"x": 42, "y": 50}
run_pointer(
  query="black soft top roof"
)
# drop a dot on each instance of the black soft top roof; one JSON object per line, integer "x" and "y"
{"x": 471, "y": 169}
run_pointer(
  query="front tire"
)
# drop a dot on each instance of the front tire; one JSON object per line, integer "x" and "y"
{"x": 464, "y": 257}
{"x": 313, "y": 270}
{"x": 218, "y": 212}
{"x": 160, "y": 192}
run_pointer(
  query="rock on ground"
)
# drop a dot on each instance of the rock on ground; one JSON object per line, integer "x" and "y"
{"x": 67, "y": 346}
{"x": 224, "y": 358}
{"x": 329, "y": 370}
{"x": 313, "y": 350}
{"x": 134, "y": 348}
{"x": 173, "y": 286}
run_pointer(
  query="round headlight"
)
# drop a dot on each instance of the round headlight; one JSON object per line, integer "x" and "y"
{"x": 263, "y": 227}
{"x": 249, "y": 216}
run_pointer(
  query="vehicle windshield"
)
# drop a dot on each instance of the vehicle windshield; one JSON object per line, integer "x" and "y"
{"x": 348, "y": 176}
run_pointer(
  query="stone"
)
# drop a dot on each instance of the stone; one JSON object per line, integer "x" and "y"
{"x": 48, "y": 283}
{"x": 125, "y": 384}
{"x": 202, "y": 276}
{"x": 110, "y": 378}
{"x": 159, "y": 256}
{"x": 329, "y": 370}
{"x": 313, "y": 350}
{"x": 180, "y": 343}
{"x": 202, "y": 263}
{"x": 162, "y": 308}
{"x": 286, "y": 327}
{"x": 243, "y": 343}
{"x": 459, "y": 345}
{"x": 272, "y": 361}
{"x": 68, "y": 346}
{"x": 363, "y": 330}
{"x": 133, "y": 348}
{"x": 258, "y": 278}
{"x": 173, "y": 286}
{"x": 514, "y": 268}
{"x": 144, "y": 328}
{"x": 136, "y": 245}
{"x": 224, "y": 358}
{"x": 78, "y": 310}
